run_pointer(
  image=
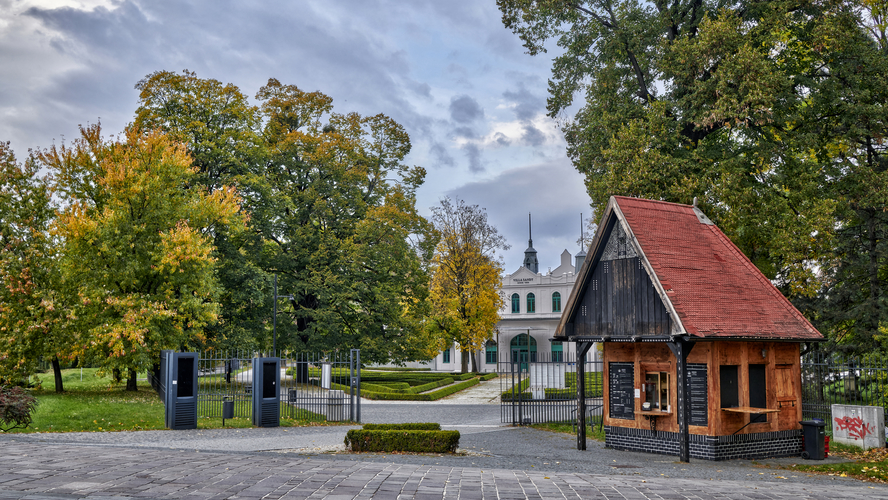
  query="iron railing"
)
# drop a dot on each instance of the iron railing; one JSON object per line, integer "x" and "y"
{"x": 831, "y": 378}
{"x": 537, "y": 389}
{"x": 314, "y": 387}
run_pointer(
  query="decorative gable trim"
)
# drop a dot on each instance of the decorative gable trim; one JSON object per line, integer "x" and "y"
{"x": 678, "y": 327}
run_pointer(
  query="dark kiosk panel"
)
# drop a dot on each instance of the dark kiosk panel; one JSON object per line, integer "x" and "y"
{"x": 179, "y": 372}
{"x": 266, "y": 392}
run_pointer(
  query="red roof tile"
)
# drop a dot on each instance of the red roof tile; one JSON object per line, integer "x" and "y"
{"x": 716, "y": 290}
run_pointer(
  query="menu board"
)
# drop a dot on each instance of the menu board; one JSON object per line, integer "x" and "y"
{"x": 698, "y": 394}
{"x": 621, "y": 390}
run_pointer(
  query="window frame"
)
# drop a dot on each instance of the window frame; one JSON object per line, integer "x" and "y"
{"x": 531, "y": 303}
{"x": 656, "y": 390}
{"x": 556, "y": 302}
{"x": 516, "y": 303}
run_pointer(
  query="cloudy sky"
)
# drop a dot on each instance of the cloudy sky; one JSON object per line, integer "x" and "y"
{"x": 472, "y": 101}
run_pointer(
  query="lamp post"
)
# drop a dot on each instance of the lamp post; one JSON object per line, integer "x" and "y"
{"x": 275, "y": 322}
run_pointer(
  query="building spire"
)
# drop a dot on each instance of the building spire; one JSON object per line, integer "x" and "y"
{"x": 530, "y": 255}
{"x": 581, "y": 255}
{"x": 529, "y": 231}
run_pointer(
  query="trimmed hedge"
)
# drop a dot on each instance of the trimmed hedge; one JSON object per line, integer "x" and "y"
{"x": 489, "y": 376}
{"x": 395, "y": 385}
{"x": 424, "y": 426}
{"x": 429, "y": 396}
{"x": 428, "y": 387}
{"x": 427, "y": 441}
{"x": 398, "y": 369}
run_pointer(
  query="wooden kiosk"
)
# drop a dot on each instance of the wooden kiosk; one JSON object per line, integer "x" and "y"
{"x": 701, "y": 351}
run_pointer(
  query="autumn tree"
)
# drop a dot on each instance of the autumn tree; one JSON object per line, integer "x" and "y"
{"x": 466, "y": 277}
{"x": 771, "y": 113}
{"x": 32, "y": 301}
{"x": 221, "y": 132}
{"x": 138, "y": 245}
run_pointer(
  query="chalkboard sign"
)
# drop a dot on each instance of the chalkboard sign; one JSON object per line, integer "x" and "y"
{"x": 622, "y": 390}
{"x": 698, "y": 394}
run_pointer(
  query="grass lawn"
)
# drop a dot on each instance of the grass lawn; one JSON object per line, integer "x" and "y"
{"x": 870, "y": 465}
{"x": 97, "y": 404}
{"x": 593, "y": 430}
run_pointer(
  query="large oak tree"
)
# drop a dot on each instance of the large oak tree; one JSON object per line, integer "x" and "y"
{"x": 771, "y": 113}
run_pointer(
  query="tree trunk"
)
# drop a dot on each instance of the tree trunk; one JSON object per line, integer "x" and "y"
{"x": 474, "y": 362}
{"x": 873, "y": 271}
{"x": 465, "y": 362}
{"x": 115, "y": 375}
{"x": 57, "y": 372}
{"x": 131, "y": 381}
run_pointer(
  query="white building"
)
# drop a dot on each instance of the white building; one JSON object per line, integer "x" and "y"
{"x": 533, "y": 302}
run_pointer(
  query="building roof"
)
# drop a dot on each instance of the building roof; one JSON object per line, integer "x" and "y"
{"x": 709, "y": 287}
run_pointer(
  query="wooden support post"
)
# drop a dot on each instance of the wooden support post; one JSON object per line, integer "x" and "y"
{"x": 681, "y": 348}
{"x": 582, "y": 349}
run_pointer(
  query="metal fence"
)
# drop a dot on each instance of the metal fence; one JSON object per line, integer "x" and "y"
{"x": 314, "y": 387}
{"x": 829, "y": 379}
{"x": 539, "y": 387}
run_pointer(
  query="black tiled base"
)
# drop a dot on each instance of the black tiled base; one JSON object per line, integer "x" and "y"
{"x": 747, "y": 446}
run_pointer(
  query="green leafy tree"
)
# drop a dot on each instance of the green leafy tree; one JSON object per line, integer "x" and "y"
{"x": 466, "y": 277}
{"x": 32, "y": 301}
{"x": 771, "y": 113}
{"x": 337, "y": 216}
{"x": 220, "y": 129}
{"x": 138, "y": 245}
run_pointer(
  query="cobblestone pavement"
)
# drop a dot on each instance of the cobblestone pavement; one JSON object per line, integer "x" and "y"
{"x": 497, "y": 462}
{"x": 40, "y": 471}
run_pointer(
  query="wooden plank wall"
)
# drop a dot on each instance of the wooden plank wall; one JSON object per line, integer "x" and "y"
{"x": 783, "y": 380}
{"x": 620, "y": 300}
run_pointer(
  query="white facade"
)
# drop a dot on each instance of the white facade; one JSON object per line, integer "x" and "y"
{"x": 539, "y": 323}
{"x": 549, "y": 291}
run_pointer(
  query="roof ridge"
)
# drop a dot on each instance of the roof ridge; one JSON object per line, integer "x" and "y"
{"x": 645, "y": 200}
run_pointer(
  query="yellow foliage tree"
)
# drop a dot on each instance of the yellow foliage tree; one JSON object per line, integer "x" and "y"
{"x": 138, "y": 249}
{"x": 466, "y": 277}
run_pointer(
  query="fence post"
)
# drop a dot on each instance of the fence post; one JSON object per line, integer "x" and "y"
{"x": 356, "y": 383}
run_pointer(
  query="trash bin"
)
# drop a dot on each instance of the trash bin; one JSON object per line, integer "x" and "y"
{"x": 227, "y": 408}
{"x": 815, "y": 438}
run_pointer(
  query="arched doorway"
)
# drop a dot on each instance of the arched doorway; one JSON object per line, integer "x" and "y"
{"x": 524, "y": 350}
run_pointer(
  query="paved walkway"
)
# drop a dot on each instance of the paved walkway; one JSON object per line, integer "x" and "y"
{"x": 39, "y": 472}
{"x": 497, "y": 461}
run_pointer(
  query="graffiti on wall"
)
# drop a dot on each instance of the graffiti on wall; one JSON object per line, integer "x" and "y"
{"x": 856, "y": 427}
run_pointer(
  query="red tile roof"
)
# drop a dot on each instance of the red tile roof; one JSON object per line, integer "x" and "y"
{"x": 715, "y": 289}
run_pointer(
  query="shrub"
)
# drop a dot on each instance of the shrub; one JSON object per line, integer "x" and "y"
{"x": 419, "y": 441}
{"x": 431, "y": 385}
{"x": 426, "y": 426}
{"x": 430, "y": 396}
{"x": 489, "y": 376}
{"x": 16, "y": 406}
{"x": 398, "y": 369}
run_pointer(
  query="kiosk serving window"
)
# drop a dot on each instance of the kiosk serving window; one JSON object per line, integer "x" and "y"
{"x": 656, "y": 392}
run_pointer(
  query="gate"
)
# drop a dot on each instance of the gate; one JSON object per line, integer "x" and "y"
{"x": 543, "y": 388}
{"x": 312, "y": 387}
{"x": 832, "y": 378}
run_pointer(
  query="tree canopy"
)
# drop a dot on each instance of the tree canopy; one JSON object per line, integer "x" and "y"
{"x": 771, "y": 113}
{"x": 138, "y": 248}
{"x": 466, "y": 277}
{"x": 331, "y": 210}
{"x": 32, "y": 302}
